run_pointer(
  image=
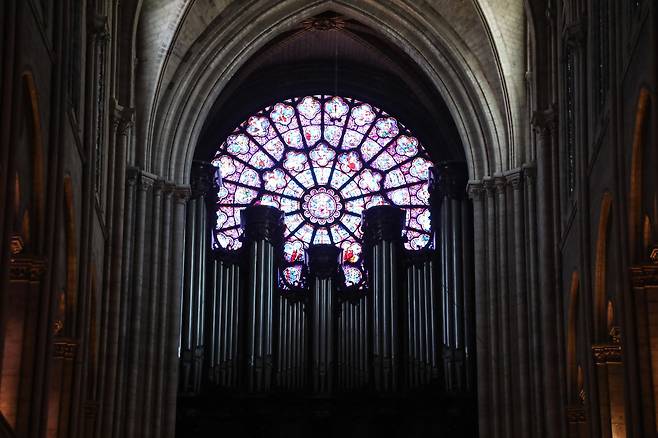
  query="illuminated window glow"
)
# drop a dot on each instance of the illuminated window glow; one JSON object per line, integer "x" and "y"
{"x": 322, "y": 160}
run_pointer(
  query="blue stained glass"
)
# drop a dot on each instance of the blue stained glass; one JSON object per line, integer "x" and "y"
{"x": 258, "y": 126}
{"x": 370, "y": 149}
{"x": 387, "y": 127}
{"x": 308, "y": 107}
{"x": 322, "y": 173}
{"x": 351, "y": 139}
{"x": 349, "y": 162}
{"x": 332, "y": 134}
{"x": 295, "y": 161}
{"x": 282, "y": 114}
{"x": 312, "y": 134}
{"x": 260, "y": 160}
{"x": 322, "y": 155}
{"x": 293, "y": 138}
{"x": 293, "y": 275}
{"x": 363, "y": 114}
{"x": 336, "y": 108}
{"x": 293, "y": 251}
{"x": 370, "y": 180}
{"x": 275, "y": 180}
{"x": 250, "y": 178}
{"x": 353, "y": 275}
{"x": 275, "y": 148}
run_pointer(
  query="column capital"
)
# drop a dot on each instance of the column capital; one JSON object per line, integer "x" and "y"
{"x": 65, "y": 348}
{"x": 606, "y": 353}
{"x": 262, "y": 222}
{"x": 383, "y": 222}
{"x": 181, "y": 194}
{"x": 476, "y": 191}
{"x": 515, "y": 178}
{"x": 123, "y": 118}
{"x": 448, "y": 179}
{"x": 98, "y": 27}
{"x": 544, "y": 122}
{"x": 323, "y": 260}
{"x": 27, "y": 268}
{"x": 202, "y": 178}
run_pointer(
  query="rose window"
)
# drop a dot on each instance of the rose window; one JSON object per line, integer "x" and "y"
{"x": 322, "y": 160}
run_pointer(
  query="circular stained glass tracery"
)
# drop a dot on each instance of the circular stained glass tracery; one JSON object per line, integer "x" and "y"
{"x": 322, "y": 160}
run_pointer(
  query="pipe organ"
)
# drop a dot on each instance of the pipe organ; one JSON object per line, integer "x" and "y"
{"x": 406, "y": 327}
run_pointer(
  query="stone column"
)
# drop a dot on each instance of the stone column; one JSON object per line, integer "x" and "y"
{"x": 545, "y": 125}
{"x": 449, "y": 213}
{"x": 323, "y": 263}
{"x": 122, "y": 123}
{"x": 263, "y": 233}
{"x": 382, "y": 230}
{"x": 18, "y": 363}
{"x": 610, "y": 377}
{"x": 645, "y": 303}
{"x": 482, "y": 332}
{"x": 175, "y": 272}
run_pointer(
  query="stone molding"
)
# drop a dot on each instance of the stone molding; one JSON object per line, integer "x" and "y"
{"x": 27, "y": 268}
{"x": 544, "y": 122}
{"x": 607, "y": 353}
{"x": 64, "y": 348}
{"x": 576, "y": 414}
{"x": 644, "y": 275}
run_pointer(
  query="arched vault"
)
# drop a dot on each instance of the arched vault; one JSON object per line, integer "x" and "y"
{"x": 472, "y": 51}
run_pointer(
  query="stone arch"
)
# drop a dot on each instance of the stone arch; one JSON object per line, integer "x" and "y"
{"x": 600, "y": 268}
{"x": 235, "y": 36}
{"x": 38, "y": 170}
{"x": 71, "y": 256}
{"x": 572, "y": 337}
{"x": 636, "y": 177}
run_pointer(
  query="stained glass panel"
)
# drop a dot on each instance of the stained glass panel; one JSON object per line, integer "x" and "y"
{"x": 322, "y": 160}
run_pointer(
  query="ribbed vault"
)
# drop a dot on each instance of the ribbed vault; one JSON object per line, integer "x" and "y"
{"x": 471, "y": 52}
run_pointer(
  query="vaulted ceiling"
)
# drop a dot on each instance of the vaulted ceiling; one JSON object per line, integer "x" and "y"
{"x": 487, "y": 36}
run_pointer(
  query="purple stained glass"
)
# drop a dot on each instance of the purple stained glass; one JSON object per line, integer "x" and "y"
{"x": 322, "y": 160}
{"x": 353, "y": 275}
{"x": 293, "y": 275}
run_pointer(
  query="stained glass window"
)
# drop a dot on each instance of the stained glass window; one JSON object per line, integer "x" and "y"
{"x": 322, "y": 160}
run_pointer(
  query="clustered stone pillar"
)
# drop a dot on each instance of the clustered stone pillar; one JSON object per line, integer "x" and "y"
{"x": 382, "y": 229}
{"x": 645, "y": 303}
{"x": 148, "y": 311}
{"x": 194, "y": 282}
{"x": 323, "y": 263}
{"x": 506, "y": 305}
{"x": 451, "y": 222}
{"x": 263, "y": 232}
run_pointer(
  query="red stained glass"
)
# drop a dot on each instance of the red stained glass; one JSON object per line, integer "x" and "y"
{"x": 322, "y": 160}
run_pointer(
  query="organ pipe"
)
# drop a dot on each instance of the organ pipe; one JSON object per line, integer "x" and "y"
{"x": 263, "y": 232}
{"x": 382, "y": 227}
{"x": 323, "y": 265}
{"x": 450, "y": 222}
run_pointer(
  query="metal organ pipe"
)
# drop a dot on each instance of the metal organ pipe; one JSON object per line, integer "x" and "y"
{"x": 382, "y": 226}
{"x": 449, "y": 207}
{"x": 263, "y": 230}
